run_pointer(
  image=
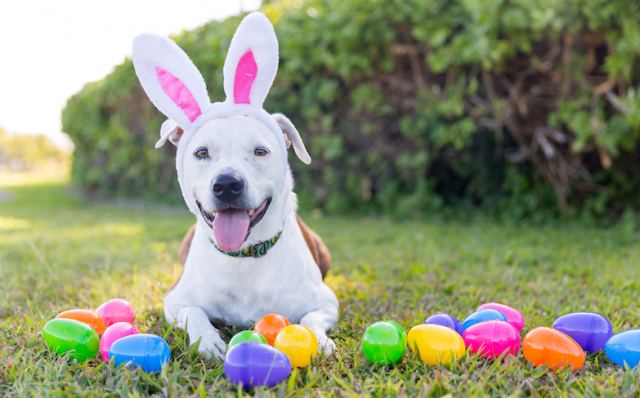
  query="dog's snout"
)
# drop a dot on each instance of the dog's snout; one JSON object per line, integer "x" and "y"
{"x": 228, "y": 187}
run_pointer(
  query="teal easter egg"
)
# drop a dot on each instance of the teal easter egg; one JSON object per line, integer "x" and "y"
{"x": 624, "y": 348}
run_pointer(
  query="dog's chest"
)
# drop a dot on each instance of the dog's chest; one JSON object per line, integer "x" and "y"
{"x": 240, "y": 291}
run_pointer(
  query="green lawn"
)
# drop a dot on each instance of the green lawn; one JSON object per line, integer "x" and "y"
{"x": 59, "y": 251}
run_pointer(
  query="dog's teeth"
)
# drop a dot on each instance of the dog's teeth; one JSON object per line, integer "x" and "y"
{"x": 250, "y": 212}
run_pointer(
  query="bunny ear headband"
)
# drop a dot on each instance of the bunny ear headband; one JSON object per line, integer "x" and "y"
{"x": 176, "y": 87}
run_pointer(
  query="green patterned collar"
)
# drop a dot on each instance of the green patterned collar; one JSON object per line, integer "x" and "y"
{"x": 256, "y": 250}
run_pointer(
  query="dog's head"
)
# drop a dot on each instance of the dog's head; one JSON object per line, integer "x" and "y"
{"x": 232, "y": 155}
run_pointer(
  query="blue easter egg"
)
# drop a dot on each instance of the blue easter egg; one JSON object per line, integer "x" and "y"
{"x": 147, "y": 351}
{"x": 482, "y": 316}
{"x": 624, "y": 348}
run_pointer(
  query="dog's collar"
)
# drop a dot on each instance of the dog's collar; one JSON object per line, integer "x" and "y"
{"x": 256, "y": 250}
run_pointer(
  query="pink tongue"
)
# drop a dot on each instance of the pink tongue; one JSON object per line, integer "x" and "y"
{"x": 230, "y": 228}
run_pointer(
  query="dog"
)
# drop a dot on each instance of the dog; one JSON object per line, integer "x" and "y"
{"x": 248, "y": 254}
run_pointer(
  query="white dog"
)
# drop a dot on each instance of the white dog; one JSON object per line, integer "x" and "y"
{"x": 249, "y": 254}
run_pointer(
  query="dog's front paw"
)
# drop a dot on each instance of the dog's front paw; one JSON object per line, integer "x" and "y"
{"x": 326, "y": 345}
{"x": 210, "y": 344}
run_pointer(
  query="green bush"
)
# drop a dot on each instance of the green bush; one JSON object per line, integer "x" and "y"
{"x": 409, "y": 106}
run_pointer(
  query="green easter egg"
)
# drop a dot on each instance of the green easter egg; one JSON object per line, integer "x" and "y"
{"x": 70, "y": 336}
{"x": 384, "y": 342}
{"x": 246, "y": 336}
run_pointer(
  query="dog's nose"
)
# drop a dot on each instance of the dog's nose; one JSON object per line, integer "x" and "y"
{"x": 228, "y": 187}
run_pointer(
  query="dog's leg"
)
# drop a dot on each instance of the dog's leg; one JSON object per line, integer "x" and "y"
{"x": 320, "y": 321}
{"x": 200, "y": 330}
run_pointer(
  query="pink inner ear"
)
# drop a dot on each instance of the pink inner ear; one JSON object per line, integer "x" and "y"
{"x": 246, "y": 73}
{"x": 179, "y": 93}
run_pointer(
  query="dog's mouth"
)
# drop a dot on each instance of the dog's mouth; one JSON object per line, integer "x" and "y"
{"x": 232, "y": 226}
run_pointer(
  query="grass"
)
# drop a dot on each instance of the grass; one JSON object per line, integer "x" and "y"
{"x": 59, "y": 251}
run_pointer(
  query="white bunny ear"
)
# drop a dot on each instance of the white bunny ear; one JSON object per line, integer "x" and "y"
{"x": 170, "y": 79}
{"x": 292, "y": 137}
{"x": 252, "y": 61}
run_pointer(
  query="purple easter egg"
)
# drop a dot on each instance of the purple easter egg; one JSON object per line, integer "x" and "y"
{"x": 590, "y": 330}
{"x": 445, "y": 320}
{"x": 254, "y": 364}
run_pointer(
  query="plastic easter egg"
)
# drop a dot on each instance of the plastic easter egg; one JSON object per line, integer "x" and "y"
{"x": 446, "y": 320}
{"x": 298, "y": 343}
{"x": 398, "y": 327}
{"x": 552, "y": 348}
{"x": 482, "y": 316}
{"x": 588, "y": 329}
{"x": 116, "y": 310}
{"x": 492, "y": 338}
{"x": 85, "y": 316}
{"x": 114, "y": 333}
{"x": 76, "y": 338}
{"x": 514, "y": 317}
{"x": 384, "y": 342}
{"x": 256, "y": 364}
{"x": 624, "y": 348}
{"x": 246, "y": 336}
{"x": 147, "y": 351}
{"x": 436, "y": 344}
{"x": 270, "y": 325}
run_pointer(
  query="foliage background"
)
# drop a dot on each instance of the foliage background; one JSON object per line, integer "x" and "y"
{"x": 524, "y": 109}
{"x": 28, "y": 152}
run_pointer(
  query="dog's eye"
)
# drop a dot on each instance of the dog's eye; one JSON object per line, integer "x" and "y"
{"x": 201, "y": 153}
{"x": 260, "y": 151}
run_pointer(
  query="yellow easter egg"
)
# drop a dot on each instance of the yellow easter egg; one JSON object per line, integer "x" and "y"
{"x": 298, "y": 343}
{"x": 436, "y": 344}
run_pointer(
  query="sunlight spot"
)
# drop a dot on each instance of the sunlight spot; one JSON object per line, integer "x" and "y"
{"x": 9, "y": 223}
{"x": 340, "y": 282}
{"x": 98, "y": 230}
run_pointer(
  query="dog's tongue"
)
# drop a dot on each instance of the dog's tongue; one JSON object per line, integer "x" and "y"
{"x": 230, "y": 228}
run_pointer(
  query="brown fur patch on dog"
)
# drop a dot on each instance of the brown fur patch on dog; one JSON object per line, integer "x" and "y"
{"x": 186, "y": 244}
{"x": 318, "y": 249}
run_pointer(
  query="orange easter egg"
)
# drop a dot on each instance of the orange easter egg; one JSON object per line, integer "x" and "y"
{"x": 270, "y": 325}
{"x": 552, "y": 348}
{"x": 85, "y": 316}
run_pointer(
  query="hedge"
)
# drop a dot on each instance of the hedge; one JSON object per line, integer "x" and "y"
{"x": 411, "y": 106}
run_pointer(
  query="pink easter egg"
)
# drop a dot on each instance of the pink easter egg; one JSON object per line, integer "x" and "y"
{"x": 514, "y": 317}
{"x": 113, "y": 333}
{"x": 491, "y": 339}
{"x": 116, "y": 310}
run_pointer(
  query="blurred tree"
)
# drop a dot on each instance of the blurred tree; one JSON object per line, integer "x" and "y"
{"x": 21, "y": 152}
{"x": 411, "y": 106}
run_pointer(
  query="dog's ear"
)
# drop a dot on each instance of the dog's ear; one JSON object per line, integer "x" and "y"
{"x": 292, "y": 137}
{"x": 170, "y": 79}
{"x": 169, "y": 131}
{"x": 252, "y": 61}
